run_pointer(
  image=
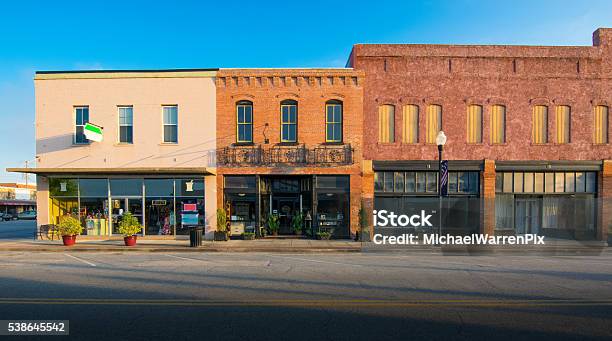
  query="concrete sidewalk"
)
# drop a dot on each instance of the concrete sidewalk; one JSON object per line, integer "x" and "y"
{"x": 552, "y": 247}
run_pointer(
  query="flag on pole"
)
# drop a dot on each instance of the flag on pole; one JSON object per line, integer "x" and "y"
{"x": 444, "y": 178}
{"x": 93, "y": 132}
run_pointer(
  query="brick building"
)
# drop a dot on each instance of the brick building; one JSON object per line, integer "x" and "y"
{"x": 289, "y": 141}
{"x": 528, "y": 134}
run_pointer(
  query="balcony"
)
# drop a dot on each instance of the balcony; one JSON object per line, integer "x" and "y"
{"x": 297, "y": 156}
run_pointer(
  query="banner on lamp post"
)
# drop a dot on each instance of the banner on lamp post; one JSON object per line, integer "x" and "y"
{"x": 444, "y": 178}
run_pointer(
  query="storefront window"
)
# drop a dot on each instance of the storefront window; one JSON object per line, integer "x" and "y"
{"x": 190, "y": 187}
{"x": 126, "y": 187}
{"x": 190, "y": 213}
{"x": 159, "y": 206}
{"x": 63, "y": 187}
{"x": 94, "y": 216}
{"x": 93, "y": 187}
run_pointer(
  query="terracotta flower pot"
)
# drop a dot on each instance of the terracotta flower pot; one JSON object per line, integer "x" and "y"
{"x": 129, "y": 240}
{"x": 69, "y": 240}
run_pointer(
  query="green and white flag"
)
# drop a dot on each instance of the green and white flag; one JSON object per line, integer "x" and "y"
{"x": 93, "y": 132}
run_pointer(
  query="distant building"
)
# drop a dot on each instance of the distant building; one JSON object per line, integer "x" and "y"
{"x": 16, "y": 198}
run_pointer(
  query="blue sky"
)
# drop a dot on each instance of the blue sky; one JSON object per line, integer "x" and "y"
{"x": 69, "y": 35}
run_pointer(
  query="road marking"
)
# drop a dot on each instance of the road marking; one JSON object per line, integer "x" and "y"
{"x": 186, "y": 258}
{"x": 79, "y": 259}
{"x": 318, "y": 303}
{"x": 315, "y": 261}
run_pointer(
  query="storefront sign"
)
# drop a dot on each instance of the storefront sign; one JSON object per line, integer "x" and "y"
{"x": 93, "y": 132}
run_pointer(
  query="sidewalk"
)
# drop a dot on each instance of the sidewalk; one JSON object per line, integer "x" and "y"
{"x": 552, "y": 247}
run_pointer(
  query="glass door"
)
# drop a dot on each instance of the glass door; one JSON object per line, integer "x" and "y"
{"x": 122, "y": 205}
{"x": 528, "y": 215}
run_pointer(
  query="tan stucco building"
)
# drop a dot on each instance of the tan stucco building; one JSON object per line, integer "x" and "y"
{"x": 155, "y": 160}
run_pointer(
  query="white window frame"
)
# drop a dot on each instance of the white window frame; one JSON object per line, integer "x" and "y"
{"x": 76, "y": 108}
{"x": 164, "y": 124}
{"x": 123, "y": 124}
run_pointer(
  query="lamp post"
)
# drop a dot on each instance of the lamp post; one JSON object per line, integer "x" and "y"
{"x": 440, "y": 141}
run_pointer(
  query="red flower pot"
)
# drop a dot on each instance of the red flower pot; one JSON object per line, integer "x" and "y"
{"x": 69, "y": 240}
{"x": 130, "y": 240}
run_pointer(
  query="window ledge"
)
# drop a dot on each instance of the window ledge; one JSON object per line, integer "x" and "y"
{"x": 287, "y": 144}
{"x": 168, "y": 144}
{"x": 123, "y": 144}
{"x": 498, "y": 144}
{"x": 332, "y": 143}
{"x": 242, "y": 144}
{"x": 74, "y": 144}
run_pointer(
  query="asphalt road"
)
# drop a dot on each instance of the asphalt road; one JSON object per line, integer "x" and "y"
{"x": 255, "y": 296}
{"x": 17, "y": 229}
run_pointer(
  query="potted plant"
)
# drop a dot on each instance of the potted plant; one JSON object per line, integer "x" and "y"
{"x": 221, "y": 233}
{"x": 297, "y": 223}
{"x": 69, "y": 227}
{"x": 129, "y": 227}
{"x": 273, "y": 224}
{"x": 248, "y": 236}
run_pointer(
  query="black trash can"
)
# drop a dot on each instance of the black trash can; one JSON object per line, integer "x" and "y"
{"x": 195, "y": 236}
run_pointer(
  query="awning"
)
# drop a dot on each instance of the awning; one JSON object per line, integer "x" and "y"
{"x": 115, "y": 171}
{"x": 17, "y": 203}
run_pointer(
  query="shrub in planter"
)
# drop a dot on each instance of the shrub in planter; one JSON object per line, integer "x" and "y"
{"x": 221, "y": 233}
{"x": 273, "y": 224}
{"x": 297, "y": 223}
{"x": 248, "y": 236}
{"x": 323, "y": 235}
{"x": 129, "y": 227}
{"x": 69, "y": 227}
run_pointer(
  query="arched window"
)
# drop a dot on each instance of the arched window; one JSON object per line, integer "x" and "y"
{"x": 498, "y": 124}
{"x": 433, "y": 122}
{"x": 600, "y": 124}
{"x": 539, "y": 124}
{"x": 333, "y": 121}
{"x": 244, "y": 122}
{"x": 474, "y": 123}
{"x": 386, "y": 123}
{"x": 289, "y": 112}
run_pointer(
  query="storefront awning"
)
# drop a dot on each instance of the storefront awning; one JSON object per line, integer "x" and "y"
{"x": 115, "y": 171}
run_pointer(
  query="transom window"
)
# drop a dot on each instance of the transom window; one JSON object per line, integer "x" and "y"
{"x": 126, "y": 125}
{"x": 244, "y": 122}
{"x": 289, "y": 121}
{"x": 82, "y": 118}
{"x": 546, "y": 182}
{"x": 425, "y": 182}
{"x": 333, "y": 121}
{"x": 170, "y": 123}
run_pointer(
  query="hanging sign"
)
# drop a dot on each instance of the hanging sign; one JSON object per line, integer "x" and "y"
{"x": 93, "y": 132}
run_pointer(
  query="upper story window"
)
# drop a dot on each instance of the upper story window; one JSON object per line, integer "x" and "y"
{"x": 474, "y": 124}
{"x": 433, "y": 122}
{"x": 126, "y": 125}
{"x": 563, "y": 123}
{"x": 244, "y": 122}
{"x": 289, "y": 109}
{"x": 600, "y": 124}
{"x": 539, "y": 131}
{"x": 386, "y": 124}
{"x": 170, "y": 123}
{"x": 333, "y": 121}
{"x": 82, "y": 117}
{"x": 498, "y": 124}
{"x": 410, "y": 118}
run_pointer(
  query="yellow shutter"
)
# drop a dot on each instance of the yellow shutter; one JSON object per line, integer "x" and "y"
{"x": 433, "y": 124}
{"x": 386, "y": 123}
{"x": 474, "y": 124}
{"x": 563, "y": 123}
{"x": 540, "y": 124}
{"x": 600, "y": 124}
{"x": 498, "y": 124}
{"x": 411, "y": 124}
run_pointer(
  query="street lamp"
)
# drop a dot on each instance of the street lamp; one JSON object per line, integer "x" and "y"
{"x": 440, "y": 141}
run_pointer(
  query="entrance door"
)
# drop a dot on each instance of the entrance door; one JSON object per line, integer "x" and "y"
{"x": 528, "y": 215}
{"x": 286, "y": 207}
{"x": 123, "y": 205}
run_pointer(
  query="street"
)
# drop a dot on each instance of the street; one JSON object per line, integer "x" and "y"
{"x": 17, "y": 229}
{"x": 237, "y": 296}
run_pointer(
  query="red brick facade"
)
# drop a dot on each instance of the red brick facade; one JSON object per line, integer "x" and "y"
{"x": 311, "y": 88}
{"x": 517, "y": 77}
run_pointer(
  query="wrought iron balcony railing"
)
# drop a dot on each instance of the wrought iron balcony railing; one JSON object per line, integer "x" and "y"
{"x": 300, "y": 155}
